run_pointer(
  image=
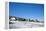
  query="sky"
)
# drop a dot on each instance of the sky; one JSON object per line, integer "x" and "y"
{"x": 27, "y": 10}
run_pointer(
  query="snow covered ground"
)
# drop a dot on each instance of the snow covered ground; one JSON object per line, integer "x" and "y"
{"x": 20, "y": 24}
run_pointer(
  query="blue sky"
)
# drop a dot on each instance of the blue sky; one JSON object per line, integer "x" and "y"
{"x": 27, "y": 10}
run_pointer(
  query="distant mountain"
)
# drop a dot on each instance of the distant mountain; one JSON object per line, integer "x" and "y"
{"x": 17, "y": 18}
{"x": 14, "y": 18}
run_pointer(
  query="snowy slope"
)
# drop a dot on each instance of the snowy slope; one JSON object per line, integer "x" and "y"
{"x": 19, "y": 24}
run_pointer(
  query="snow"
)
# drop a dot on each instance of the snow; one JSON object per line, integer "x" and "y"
{"x": 19, "y": 24}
